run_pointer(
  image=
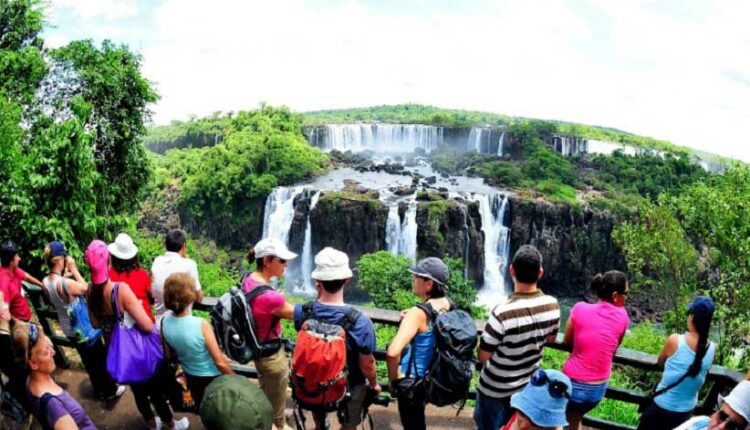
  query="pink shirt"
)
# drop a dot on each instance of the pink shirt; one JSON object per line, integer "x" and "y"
{"x": 10, "y": 285}
{"x": 597, "y": 330}
{"x": 263, "y": 308}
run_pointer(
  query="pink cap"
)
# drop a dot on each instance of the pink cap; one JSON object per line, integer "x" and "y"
{"x": 97, "y": 258}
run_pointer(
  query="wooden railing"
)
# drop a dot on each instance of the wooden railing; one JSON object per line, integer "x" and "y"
{"x": 719, "y": 379}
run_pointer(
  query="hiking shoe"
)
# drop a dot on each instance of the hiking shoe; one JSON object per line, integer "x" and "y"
{"x": 119, "y": 392}
{"x": 181, "y": 424}
{"x": 157, "y": 424}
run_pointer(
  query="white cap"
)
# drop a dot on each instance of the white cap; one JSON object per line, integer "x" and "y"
{"x": 271, "y": 247}
{"x": 739, "y": 400}
{"x": 123, "y": 247}
{"x": 331, "y": 265}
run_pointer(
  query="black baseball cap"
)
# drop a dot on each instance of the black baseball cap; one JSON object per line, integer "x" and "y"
{"x": 432, "y": 268}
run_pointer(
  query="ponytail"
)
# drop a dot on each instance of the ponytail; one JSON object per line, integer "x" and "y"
{"x": 610, "y": 282}
{"x": 96, "y": 303}
{"x": 702, "y": 326}
{"x": 259, "y": 264}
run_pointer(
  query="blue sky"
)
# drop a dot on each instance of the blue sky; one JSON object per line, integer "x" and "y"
{"x": 675, "y": 70}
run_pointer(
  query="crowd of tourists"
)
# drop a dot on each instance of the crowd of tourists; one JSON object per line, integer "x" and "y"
{"x": 123, "y": 304}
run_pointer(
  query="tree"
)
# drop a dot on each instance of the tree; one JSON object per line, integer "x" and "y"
{"x": 660, "y": 256}
{"x": 717, "y": 212}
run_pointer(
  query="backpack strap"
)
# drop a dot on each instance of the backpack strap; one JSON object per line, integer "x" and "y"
{"x": 255, "y": 292}
{"x": 427, "y": 308}
{"x": 349, "y": 319}
{"x": 307, "y": 312}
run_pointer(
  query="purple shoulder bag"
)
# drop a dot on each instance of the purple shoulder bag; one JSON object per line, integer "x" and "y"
{"x": 133, "y": 356}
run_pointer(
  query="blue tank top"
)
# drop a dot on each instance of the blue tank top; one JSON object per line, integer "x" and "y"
{"x": 683, "y": 397}
{"x": 184, "y": 335}
{"x": 423, "y": 348}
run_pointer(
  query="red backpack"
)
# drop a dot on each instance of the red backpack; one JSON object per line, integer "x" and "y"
{"x": 319, "y": 371}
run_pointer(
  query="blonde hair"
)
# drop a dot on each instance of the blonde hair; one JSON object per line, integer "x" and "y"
{"x": 179, "y": 292}
{"x": 48, "y": 259}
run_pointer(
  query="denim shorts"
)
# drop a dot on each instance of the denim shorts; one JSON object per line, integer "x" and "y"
{"x": 585, "y": 396}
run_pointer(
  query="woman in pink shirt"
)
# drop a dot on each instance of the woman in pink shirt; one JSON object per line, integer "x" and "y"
{"x": 270, "y": 257}
{"x": 595, "y": 331}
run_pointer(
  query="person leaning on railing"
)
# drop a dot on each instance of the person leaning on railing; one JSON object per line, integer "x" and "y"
{"x": 686, "y": 359}
{"x": 11, "y": 277}
{"x": 415, "y": 335}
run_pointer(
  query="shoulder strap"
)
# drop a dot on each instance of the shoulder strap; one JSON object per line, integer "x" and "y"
{"x": 164, "y": 345}
{"x": 307, "y": 312}
{"x": 116, "y": 301}
{"x": 427, "y": 308}
{"x": 43, "y": 404}
{"x": 670, "y": 386}
{"x": 255, "y": 292}
{"x": 349, "y": 319}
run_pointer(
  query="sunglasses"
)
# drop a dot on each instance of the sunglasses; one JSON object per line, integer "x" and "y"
{"x": 557, "y": 389}
{"x": 33, "y": 340}
{"x": 730, "y": 425}
{"x": 281, "y": 260}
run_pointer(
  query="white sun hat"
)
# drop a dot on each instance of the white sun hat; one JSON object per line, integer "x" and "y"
{"x": 331, "y": 265}
{"x": 123, "y": 247}
{"x": 271, "y": 247}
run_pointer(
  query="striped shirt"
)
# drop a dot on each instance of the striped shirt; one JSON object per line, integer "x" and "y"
{"x": 515, "y": 335}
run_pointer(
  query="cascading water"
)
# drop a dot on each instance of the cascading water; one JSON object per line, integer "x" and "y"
{"x": 382, "y": 137}
{"x": 393, "y": 229}
{"x": 280, "y": 212}
{"x": 474, "y": 142}
{"x": 407, "y": 242}
{"x": 307, "y": 257}
{"x": 500, "y": 144}
{"x": 496, "y": 247}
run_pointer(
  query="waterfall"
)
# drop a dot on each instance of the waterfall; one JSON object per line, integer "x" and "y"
{"x": 500, "y": 144}
{"x": 279, "y": 212}
{"x": 496, "y": 247}
{"x": 307, "y": 257}
{"x": 393, "y": 229}
{"x": 474, "y": 143}
{"x": 382, "y": 137}
{"x": 407, "y": 242}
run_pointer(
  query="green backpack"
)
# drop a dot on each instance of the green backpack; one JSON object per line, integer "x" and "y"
{"x": 232, "y": 402}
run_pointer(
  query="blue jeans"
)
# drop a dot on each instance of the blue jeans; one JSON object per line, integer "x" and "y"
{"x": 585, "y": 396}
{"x": 491, "y": 413}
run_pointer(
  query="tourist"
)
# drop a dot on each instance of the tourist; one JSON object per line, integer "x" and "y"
{"x": 16, "y": 374}
{"x": 270, "y": 257}
{"x": 104, "y": 315}
{"x": 191, "y": 337}
{"x": 686, "y": 359}
{"x": 511, "y": 346}
{"x": 62, "y": 287}
{"x": 11, "y": 278}
{"x": 429, "y": 283}
{"x": 595, "y": 331}
{"x": 174, "y": 260}
{"x": 542, "y": 403}
{"x": 126, "y": 268}
{"x": 52, "y": 406}
{"x": 331, "y": 273}
{"x": 733, "y": 413}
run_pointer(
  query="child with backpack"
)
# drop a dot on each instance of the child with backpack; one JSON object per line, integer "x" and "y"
{"x": 333, "y": 368}
{"x": 416, "y": 335}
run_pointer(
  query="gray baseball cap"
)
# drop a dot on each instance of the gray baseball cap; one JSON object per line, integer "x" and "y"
{"x": 432, "y": 268}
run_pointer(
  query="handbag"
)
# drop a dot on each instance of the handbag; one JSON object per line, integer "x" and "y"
{"x": 133, "y": 356}
{"x": 653, "y": 393}
{"x": 177, "y": 391}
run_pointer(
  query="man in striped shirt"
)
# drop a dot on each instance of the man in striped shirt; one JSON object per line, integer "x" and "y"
{"x": 512, "y": 342}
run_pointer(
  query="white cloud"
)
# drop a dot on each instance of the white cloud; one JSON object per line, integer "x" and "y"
{"x": 108, "y": 9}
{"x": 659, "y": 69}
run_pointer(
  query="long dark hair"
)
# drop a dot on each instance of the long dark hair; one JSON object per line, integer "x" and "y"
{"x": 125, "y": 266}
{"x": 702, "y": 326}
{"x": 96, "y": 303}
{"x": 610, "y": 282}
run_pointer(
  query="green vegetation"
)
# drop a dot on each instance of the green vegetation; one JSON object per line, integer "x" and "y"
{"x": 386, "y": 278}
{"x": 334, "y": 196}
{"x": 406, "y": 114}
{"x": 71, "y": 120}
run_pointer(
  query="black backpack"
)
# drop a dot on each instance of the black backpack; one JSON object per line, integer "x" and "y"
{"x": 234, "y": 325}
{"x": 448, "y": 376}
